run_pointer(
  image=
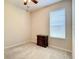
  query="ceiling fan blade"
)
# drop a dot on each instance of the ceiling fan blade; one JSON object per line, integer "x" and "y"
{"x": 35, "y": 1}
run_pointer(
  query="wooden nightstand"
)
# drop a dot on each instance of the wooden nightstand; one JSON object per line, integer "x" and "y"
{"x": 42, "y": 40}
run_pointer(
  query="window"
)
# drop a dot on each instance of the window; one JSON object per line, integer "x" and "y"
{"x": 57, "y": 23}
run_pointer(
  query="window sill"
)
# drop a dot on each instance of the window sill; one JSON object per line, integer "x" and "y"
{"x": 57, "y": 38}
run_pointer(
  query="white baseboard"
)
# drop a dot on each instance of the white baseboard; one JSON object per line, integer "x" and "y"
{"x": 15, "y": 45}
{"x": 60, "y": 48}
{"x": 28, "y": 42}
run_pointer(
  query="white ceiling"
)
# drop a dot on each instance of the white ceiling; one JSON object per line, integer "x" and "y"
{"x": 41, "y": 3}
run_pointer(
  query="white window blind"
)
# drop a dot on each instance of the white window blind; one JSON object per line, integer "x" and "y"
{"x": 57, "y": 23}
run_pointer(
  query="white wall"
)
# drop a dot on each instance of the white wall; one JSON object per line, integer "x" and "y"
{"x": 40, "y": 24}
{"x": 17, "y": 25}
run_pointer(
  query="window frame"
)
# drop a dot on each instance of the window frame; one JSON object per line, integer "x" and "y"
{"x": 65, "y": 24}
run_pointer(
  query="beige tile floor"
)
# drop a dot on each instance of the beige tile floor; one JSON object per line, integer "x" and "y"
{"x": 32, "y": 51}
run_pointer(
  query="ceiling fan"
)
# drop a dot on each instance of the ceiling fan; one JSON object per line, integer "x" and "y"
{"x": 26, "y": 1}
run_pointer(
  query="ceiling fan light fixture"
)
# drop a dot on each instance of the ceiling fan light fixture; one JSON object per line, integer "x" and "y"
{"x": 29, "y": 0}
{"x": 26, "y": 1}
